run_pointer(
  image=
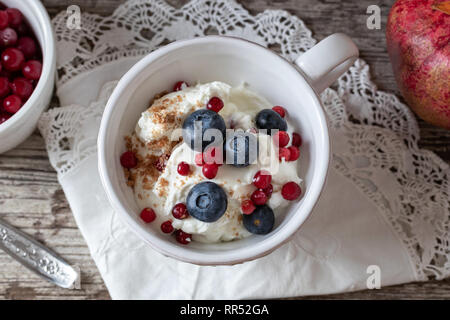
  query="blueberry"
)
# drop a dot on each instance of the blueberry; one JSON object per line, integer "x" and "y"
{"x": 207, "y": 202}
{"x": 208, "y": 119}
{"x": 270, "y": 120}
{"x": 260, "y": 221}
{"x": 241, "y": 149}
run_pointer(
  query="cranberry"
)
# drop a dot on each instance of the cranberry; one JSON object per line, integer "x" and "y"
{"x": 247, "y": 207}
{"x": 294, "y": 153}
{"x": 22, "y": 87}
{"x": 284, "y": 153}
{"x": 12, "y": 59}
{"x": 14, "y": 16}
{"x": 183, "y": 237}
{"x": 262, "y": 179}
{"x": 12, "y": 103}
{"x": 215, "y": 104}
{"x": 4, "y": 117}
{"x": 167, "y": 227}
{"x": 128, "y": 160}
{"x": 180, "y": 85}
{"x": 4, "y": 87}
{"x": 281, "y": 139}
{"x": 296, "y": 140}
{"x": 179, "y": 211}
{"x": 210, "y": 170}
{"x": 258, "y": 197}
{"x": 28, "y": 46}
{"x": 280, "y": 110}
{"x": 183, "y": 168}
{"x": 291, "y": 191}
{"x": 268, "y": 191}
{"x": 148, "y": 215}
{"x": 160, "y": 164}
{"x": 4, "y": 19}
{"x": 213, "y": 155}
{"x": 32, "y": 69}
{"x": 199, "y": 159}
{"x": 8, "y": 37}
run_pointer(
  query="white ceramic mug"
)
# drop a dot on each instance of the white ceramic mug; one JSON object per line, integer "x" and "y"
{"x": 233, "y": 61}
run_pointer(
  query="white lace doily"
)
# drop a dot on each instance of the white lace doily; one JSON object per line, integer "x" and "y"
{"x": 381, "y": 133}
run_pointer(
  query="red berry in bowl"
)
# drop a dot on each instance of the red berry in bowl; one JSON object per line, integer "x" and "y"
{"x": 210, "y": 170}
{"x": 280, "y": 110}
{"x": 8, "y": 37}
{"x": 247, "y": 207}
{"x": 215, "y": 104}
{"x": 258, "y": 197}
{"x": 179, "y": 211}
{"x": 268, "y": 191}
{"x": 167, "y": 227}
{"x": 183, "y": 237}
{"x": 213, "y": 155}
{"x": 294, "y": 153}
{"x": 148, "y": 215}
{"x": 4, "y": 87}
{"x": 262, "y": 179}
{"x": 4, "y": 19}
{"x": 183, "y": 168}
{"x": 128, "y": 160}
{"x": 291, "y": 191}
{"x": 12, "y": 59}
{"x": 22, "y": 87}
{"x": 12, "y": 103}
{"x": 284, "y": 153}
{"x": 281, "y": 139}
{"x": 4, "y": 117}
{"x": 180, "y": 85}
{"x": 28, "y": 47}
{"x": 32, "y": 69}
{"x": 14, "y": 16}
{"x": 296, "y": 140}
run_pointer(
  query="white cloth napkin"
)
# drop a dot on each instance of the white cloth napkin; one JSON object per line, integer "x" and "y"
{"x": 385, "y": 203}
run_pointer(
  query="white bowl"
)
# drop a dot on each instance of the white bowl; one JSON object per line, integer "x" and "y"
{"x": 22, "y": 123}
{"x": 233, "y": 61}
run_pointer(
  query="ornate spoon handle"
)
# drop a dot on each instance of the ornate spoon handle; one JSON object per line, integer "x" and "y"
{"x": 36, "y": 257}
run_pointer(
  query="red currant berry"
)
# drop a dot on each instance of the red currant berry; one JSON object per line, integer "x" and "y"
{"x": 291, "y": 191}
{"x": 215, "y": 104}
{"x": 281, "y": 139}
{"x": 258, "y": 197}
{"x": 199, "y": 159}
{"x": 8, "y": 37}
{"x": 247, "y": 207}
{"x": 12, "y": 59}
{"x": 294, "y": 153}
{"x": 210, "y": 170}
{"x": 262, "y": 179}
{"x": 183, "y": 168}
{"x": 179, "y": 211}
{"x": 280, "y": 110}
{"x": 183, "y": 237}
{"x": 167, "y": 227}
{"x": 268, "y": 191}
{"x": 128, "y": 160}
{"x": 12, "y": 103}
{"x": 14, "y": 16}
{"x": 296, "y": 140}
{"x": 4, "y": 19}
{"x": 22, "y": 87}
{"x": 28, "y": 47}
{"x": 4, "y": 86}
{"x": 32, "y": 69}
{"x": 148, "y": 215}
{"x": 180, "y": 85}
{"x": 284, "y": 153}
{"x": 213, "y": 155}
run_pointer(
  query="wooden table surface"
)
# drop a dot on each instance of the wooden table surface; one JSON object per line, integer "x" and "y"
{"x": 32, "y": 200}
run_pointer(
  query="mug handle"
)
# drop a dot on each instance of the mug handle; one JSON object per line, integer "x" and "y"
{"x": 328, "y": 60}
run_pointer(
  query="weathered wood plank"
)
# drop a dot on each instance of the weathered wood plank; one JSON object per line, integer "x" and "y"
{"x": 32, "y": 200}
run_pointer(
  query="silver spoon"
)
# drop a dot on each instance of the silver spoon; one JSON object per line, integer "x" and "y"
{"x": 37, "y": 257}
